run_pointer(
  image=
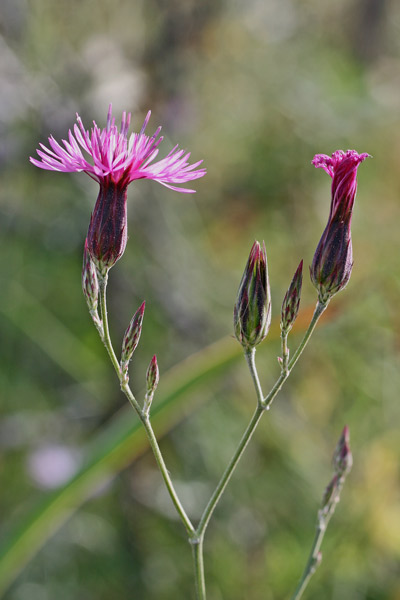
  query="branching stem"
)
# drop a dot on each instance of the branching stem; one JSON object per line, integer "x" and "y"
{"x": 196, "y": 535}
{"x": 144, "y": 417}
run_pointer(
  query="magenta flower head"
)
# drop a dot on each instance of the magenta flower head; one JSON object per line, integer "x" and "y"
{"x": 333, "y": 259}
{"x": 114, "y": 160}
{"x": 252, "y": 311}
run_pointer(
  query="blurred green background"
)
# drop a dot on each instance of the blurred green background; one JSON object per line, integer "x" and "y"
{"x": 254, "y": 88}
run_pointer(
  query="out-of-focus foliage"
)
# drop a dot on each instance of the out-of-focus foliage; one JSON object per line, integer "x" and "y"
{"x": 255, "y": 88}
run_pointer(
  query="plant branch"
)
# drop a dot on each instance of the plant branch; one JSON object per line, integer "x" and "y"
{"x": 144, "y": 417}
{"x": 315, "y": 557}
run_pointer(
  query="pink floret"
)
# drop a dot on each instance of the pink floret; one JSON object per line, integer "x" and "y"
{"x": 110, "y": 153}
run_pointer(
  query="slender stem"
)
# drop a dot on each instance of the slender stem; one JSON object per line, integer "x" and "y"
{"x": 144, "y": 417}
{"x": 197, "y": 550}
{"x": 167, "y": 479}
{"x": 250, "y": 356}
{"x": 104, "y": 317}
{"x": 219, "y": 490}
{"x": 315, "y": 556}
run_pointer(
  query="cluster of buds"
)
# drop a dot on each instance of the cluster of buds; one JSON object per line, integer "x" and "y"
{"x": 331, "y": 266}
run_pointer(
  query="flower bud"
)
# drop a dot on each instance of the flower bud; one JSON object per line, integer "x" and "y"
{"x": 131, "y": 339}
{"x": 291, "y": 301}
{"x": 108, "y": 228}
{"x": 342, "y": 457}
{"x": 252, "y": 311}
{"x": 152, "y": 379}
{"x": 90, "y": 285}
{"x": 152, "y": 376}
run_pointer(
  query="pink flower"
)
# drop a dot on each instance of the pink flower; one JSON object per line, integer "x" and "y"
{"x": 115, "y": 160}
{"x": 333, "y": 259}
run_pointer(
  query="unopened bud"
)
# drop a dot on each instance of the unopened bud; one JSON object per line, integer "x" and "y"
{"x": 152, "y": 376}
{"x": 291, "y": 301}
{"x": 342, "y": 457}
{"x": 90, "y": 285}
{"x": 131, "y": 339}
{"x": 152, "y": 379}
{"x": 252, "y": 311}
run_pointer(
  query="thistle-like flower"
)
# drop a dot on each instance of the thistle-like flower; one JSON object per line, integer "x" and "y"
{"x": 291, "y": 301}
{"x": 333, "y": 259}
{"x": 252, "y": 311}
{"x": 114, "y": 160}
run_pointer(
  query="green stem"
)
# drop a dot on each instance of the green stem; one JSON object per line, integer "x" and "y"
{"x": 197, "y": 551}
{"x": 104, "y": 317}
{"x": 144, "y": 417}
{"x": 167, "y": 479}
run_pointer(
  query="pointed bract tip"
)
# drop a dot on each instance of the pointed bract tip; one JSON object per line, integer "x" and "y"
{"x": 291, "y": 301}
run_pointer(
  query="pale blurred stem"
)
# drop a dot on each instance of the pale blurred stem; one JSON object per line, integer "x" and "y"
{"x": 263, "y": 404}
{"x": 314, "y": 560}
{"x": 144, "y": 417}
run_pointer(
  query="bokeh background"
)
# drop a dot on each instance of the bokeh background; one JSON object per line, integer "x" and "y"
{"x": 255, "y": 89}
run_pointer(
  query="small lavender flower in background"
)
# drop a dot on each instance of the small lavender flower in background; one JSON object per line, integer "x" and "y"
{"x": 252, "y": 311}
{"x": 114, "y": 161}
{"x": 291, "y": 301}
{"x": 333, "y": 259}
